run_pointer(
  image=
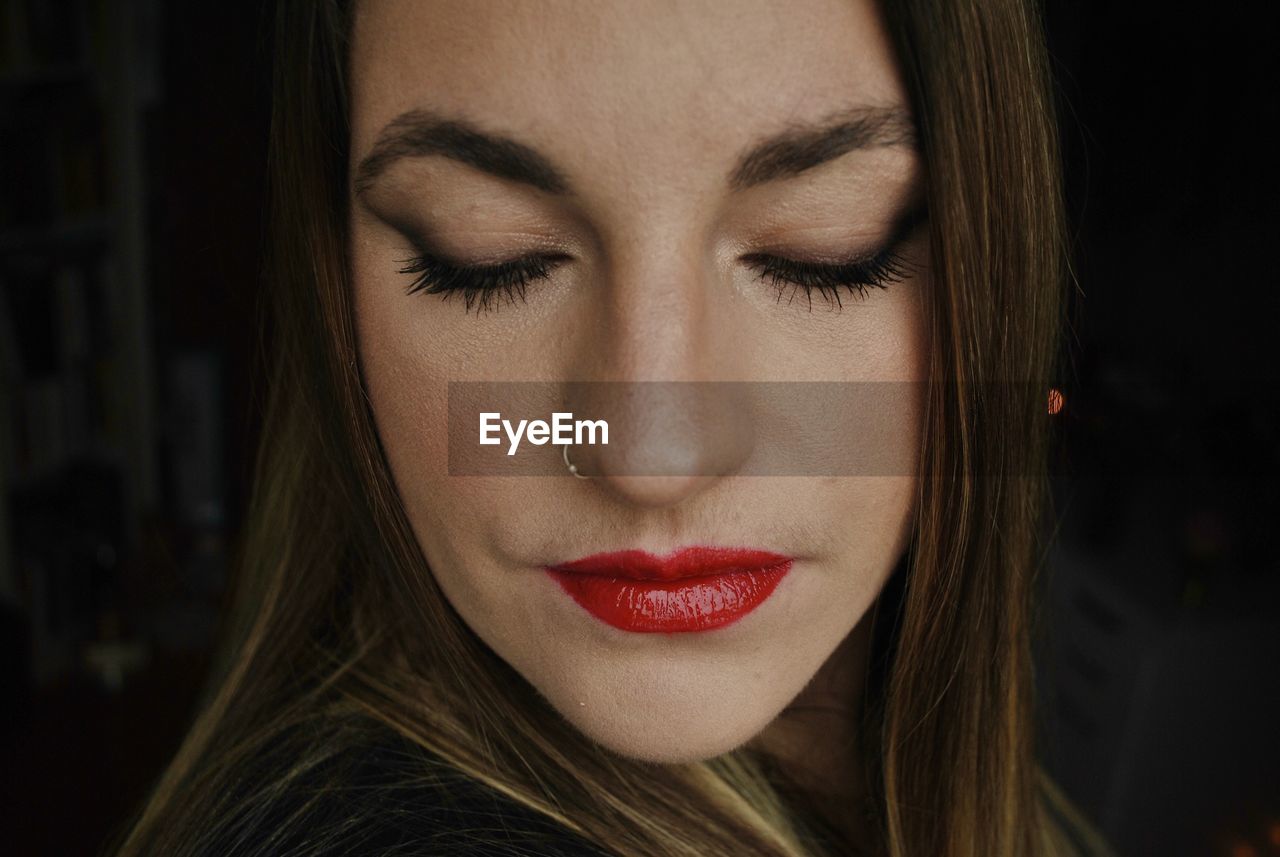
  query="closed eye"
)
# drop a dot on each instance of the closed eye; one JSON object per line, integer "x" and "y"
{"x": 483, "y": 287}
{"x": 486, "y": 287}
{"x": 830, "y": 281}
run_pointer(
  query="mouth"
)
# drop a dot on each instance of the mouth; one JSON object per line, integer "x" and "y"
{"x": 692, "y": 589}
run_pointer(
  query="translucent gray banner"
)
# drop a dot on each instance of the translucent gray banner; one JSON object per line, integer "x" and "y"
{"x": 684, "y": 428}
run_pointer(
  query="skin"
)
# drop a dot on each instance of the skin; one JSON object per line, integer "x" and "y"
{"x": 645, "y": 106}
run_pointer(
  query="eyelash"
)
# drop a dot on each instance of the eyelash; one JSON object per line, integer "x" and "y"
{"x": 829, "y": 281}
{"x": 486, "y": 287}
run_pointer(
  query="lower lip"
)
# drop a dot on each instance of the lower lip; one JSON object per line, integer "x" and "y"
{"x": 696, "y": 589}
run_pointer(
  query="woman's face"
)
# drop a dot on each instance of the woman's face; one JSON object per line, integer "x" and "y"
{"x": 654, "y": 155}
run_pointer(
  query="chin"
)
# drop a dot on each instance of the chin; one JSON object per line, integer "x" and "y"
{"x": 665, "y": 742}
{"x": 668, "y": 713}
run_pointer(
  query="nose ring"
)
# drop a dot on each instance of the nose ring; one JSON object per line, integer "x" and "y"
{"x": 573, "y": 468}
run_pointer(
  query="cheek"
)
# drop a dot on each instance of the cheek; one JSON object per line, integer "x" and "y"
{"x": 408, "y": 399}
{"x": 407, "y": 361}
{"x": 408, "y": 394}
{"x": 876, "y": 519}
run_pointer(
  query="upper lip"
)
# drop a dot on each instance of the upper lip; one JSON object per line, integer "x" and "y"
{"x": 685, "y": 562}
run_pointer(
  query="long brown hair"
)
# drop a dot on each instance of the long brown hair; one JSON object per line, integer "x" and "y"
{"x": 338, "y": 620}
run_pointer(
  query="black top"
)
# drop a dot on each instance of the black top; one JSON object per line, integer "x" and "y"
{"x": 391, "y": 799}
{"x": 388, "y": 797}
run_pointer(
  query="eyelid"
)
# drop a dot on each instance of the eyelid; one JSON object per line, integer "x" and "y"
{"x": 484, "y": 264}
{"x": 890, "y": 232}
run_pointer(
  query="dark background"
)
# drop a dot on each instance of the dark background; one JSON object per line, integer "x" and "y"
{"x": 132, "y": 141}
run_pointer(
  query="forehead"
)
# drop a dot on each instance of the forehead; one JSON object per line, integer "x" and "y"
{"x": 592, "y": 82}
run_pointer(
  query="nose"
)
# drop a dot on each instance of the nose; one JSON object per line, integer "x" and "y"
{"x": 668, "y": 440}
{"x": 658, "y": 355}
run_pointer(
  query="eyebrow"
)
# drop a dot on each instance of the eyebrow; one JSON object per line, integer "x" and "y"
{"x": 799, "y": 147}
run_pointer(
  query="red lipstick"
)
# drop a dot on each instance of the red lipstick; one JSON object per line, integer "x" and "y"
{"x": 693, "y": 589}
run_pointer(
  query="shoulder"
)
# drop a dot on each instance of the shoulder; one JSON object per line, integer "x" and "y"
{"x": 387, "y": 797}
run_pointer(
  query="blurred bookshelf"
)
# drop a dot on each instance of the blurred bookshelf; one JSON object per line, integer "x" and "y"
{"x": 113, "y": 422}
{"x": 80, "y": 469}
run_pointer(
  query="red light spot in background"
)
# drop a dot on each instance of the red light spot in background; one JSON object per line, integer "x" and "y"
{"x": 1056, "y": 400}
